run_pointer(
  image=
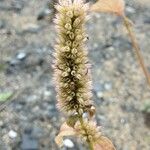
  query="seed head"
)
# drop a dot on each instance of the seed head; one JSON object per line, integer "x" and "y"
{"x": 73, "y": 83}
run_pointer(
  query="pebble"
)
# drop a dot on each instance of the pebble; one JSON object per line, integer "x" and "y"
{"x": 68, "y": 143}
{"x": 12, "y": 134}
{"x": 31, "y": 28}
{"x": 43, "y": 14}
{"x": 21, "y": 55}
{"x": 130, "y": 9}
{"x": 123, "y": 121}
{"x": 47, "y": 93}
{"x": 99, "y": 94}
{"x": 108, "y": 86}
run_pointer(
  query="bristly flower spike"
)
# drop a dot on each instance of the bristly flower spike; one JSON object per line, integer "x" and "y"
{"x": 71, "y": 69}
{"x": 73, "y": 78}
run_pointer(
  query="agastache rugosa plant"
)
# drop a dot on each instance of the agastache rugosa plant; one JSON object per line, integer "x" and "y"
{"x": 72, "y": 76}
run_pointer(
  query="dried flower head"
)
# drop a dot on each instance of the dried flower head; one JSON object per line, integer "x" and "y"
{"x": 88, "y": 130}
{"x": 111, "y": 6}
{"x": 72, "y": 72}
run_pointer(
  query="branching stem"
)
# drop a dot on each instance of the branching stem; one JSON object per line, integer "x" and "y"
{"x": 137, "y": 48}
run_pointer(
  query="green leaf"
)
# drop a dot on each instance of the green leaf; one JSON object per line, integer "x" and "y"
{"x": 2, "y": 67}
{"x": 146, "y": 106}
{"x": 5, "y": 96}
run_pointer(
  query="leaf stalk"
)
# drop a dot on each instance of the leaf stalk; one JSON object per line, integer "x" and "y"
{"x": 135, "y": 44}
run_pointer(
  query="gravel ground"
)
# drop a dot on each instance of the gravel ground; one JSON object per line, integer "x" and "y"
{"x": 30, "y": 120}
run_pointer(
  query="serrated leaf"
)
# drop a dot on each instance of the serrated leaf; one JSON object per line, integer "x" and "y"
{"x": 104, "y": 144}
{"x": 65, "y": 130}
{"x": 5, "y": 96}
{"x": 109, "y": 6}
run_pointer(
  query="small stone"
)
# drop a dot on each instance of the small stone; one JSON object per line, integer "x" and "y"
{"x": 99, "y": 94}
{"x": 31, "y": 28}
{"x": 12, "y": 134}
{"x": 111, "y": 48}
{"x": 21, "y": 55}
{"x": 47, "y": 93}
{"x": 122, "y": 120}
{"x": 107, "y": 86}
{"x": 68, "y": 143}
{"x": 130, "y": 9}
{"x": 43, "y": 14}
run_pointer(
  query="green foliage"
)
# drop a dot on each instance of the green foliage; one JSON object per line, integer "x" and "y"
{"x": 146, "y": 107}
{"x": 5, "y": 96}
{"x": 2, "y": 67}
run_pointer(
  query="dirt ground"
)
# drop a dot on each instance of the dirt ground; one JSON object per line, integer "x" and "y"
{"x": 29, "y": 120}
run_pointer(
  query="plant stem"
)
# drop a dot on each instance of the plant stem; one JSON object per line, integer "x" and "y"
{"x": 137, "y": 48}
{"x": 88, "y": 140}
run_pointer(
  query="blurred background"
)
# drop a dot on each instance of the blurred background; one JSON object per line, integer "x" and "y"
{"x": 29, "y": 119}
